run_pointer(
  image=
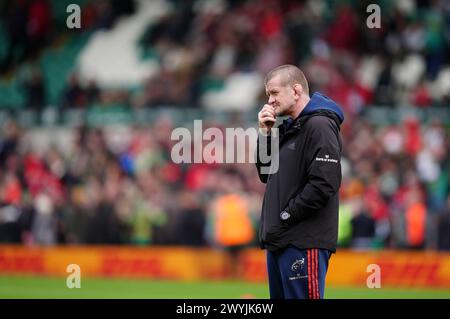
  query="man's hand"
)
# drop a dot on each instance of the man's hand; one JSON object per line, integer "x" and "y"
{"x": 266, "y": 118}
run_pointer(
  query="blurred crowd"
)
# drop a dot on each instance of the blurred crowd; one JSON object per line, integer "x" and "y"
{"x": 200, "y": 47}
{"x": 99, "y": 191}
{"x": 122, "y": 187}
{"x": 395, "y": 190}
{"x": 405, "y": 62}
{"x": 30, "y": 26}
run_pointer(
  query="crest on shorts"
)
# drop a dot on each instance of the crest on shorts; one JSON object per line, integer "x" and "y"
{"x": 298, "y": 264}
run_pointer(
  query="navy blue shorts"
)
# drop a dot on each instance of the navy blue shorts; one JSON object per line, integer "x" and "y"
{"x": 297, "y": 273}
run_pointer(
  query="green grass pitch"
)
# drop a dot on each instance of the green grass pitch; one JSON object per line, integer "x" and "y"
{"x": 55, "y": 287}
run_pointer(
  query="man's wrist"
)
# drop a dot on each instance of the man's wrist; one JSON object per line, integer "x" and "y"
{"x": 264, "y": 131}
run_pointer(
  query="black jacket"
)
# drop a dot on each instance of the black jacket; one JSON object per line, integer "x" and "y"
{"x": 301, "y": 201}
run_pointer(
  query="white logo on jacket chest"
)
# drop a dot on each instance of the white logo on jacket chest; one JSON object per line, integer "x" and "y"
{"x": 326, "y": 159}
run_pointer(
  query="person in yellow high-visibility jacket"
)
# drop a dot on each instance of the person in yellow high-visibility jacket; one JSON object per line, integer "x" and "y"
{"x": 233, "y": 226}
{"x": 230, "y": 225}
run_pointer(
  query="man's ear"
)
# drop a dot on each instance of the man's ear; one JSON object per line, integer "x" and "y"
{"x": 298, "y": 89}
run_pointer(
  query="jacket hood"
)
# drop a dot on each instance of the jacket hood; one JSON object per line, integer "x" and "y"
{"x": 320, "y": 102}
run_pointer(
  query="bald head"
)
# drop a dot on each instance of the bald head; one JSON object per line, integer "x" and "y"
{"x": 290, "y": 75}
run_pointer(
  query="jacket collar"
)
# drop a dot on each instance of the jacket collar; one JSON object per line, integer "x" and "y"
{"x": 293, "y": 125}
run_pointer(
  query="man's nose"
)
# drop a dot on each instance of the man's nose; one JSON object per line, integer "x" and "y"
{"x": 271, "y": 100}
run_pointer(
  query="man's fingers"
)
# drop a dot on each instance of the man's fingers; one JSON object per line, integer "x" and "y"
{"x": 268, "y": 111}
{"x": 268, "y": 118}
{"x": 269, "y": 108}
{"x": 266, "y": 115}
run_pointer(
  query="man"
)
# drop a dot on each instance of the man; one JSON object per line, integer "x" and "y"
{"x": 299, "y": 219}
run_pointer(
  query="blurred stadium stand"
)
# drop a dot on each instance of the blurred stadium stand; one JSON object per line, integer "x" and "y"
{"x": 86, "y": 116}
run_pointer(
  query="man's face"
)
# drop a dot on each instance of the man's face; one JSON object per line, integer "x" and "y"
{"x": 282, "y": 97}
